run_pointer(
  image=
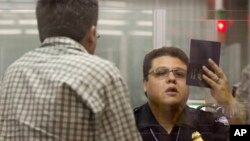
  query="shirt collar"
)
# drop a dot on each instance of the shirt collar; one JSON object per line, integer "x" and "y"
{"x": 63, "y": 41}
{"x": 187, "y": 118}
{"x": 147, "y": 119}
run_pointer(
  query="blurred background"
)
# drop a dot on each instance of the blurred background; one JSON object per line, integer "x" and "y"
{"x": 131, "y": 28}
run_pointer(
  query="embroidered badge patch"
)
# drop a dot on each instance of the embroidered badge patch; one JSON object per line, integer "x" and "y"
{"x": 196, "y": 136}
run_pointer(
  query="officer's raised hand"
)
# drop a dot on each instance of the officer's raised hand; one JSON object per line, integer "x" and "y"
{"x": 218, "y": 82}
{"x": 221, "y": 92}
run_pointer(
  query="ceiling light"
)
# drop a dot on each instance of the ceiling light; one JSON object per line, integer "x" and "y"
{"x": 22, "y": 11}
{"x": 110, "y": 32}
{"x": 114, "y": 3}
{"x": 141, "y": 33}
{"x": 147, "y": 11}
{"x": 7, "y": 22}
{"x": 10, "y": 31}
{"x": 31, "y": 31}
{"x": 115, "y": 10}
{"x": 112, "y": 22}
{"x": 144, "y": 23}
{"x": 28, "y": 22}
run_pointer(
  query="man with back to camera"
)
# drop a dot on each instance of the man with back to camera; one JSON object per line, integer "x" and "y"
{"x": 60, "y": 91}
{"x": 166, "y": 116}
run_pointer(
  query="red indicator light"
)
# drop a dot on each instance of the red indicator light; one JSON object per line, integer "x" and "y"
{"x": 221, "y": 25}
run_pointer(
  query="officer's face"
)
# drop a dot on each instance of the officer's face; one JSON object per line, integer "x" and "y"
{"x": 166, "y": 84}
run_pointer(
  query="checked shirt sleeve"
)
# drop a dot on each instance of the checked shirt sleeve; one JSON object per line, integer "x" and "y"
{"x": 118, "y": 120}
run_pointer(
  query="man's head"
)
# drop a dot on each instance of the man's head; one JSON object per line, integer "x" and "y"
{"x": 164, "y": 76}
{"x": 76, "y": 19}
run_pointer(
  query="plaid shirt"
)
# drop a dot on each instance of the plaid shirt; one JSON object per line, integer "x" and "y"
{"x": 59, "y": 92}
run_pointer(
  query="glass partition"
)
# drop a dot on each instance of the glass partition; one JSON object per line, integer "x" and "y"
{"x": 126, "y": 36}
{"x": 130, "y": 29}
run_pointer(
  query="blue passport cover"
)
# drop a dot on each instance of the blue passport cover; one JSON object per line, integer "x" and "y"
{"x": 200, "y": 52}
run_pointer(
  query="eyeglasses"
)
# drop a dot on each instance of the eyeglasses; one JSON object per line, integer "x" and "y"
{"x": 97, "y": 35}
{"x": 163, "y": 72}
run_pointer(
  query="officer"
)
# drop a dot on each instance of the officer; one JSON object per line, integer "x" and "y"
{"x": 166, "y": 116}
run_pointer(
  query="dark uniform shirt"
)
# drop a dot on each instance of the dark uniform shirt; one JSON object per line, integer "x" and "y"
{"x": 203, "y": 125}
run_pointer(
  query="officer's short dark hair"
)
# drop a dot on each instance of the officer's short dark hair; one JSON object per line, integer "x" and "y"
{"x": 163, "y": 51}
{"x": 70, "y": 18}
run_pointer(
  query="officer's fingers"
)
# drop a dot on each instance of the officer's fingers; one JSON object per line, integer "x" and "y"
{"x": 216, "y": 68}
{"x": 210, "y": 74}
{"x": 211, "y": 82}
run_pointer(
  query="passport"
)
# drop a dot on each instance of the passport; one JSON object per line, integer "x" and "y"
{"x": 200, "y": 52}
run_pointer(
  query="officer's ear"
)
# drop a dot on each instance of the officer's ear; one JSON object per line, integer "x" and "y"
{"x": 145, "y": 87}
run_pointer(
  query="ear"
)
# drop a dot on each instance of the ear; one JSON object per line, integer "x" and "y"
{"x": 89, "y": 41}
{"x": 145, "y": 86}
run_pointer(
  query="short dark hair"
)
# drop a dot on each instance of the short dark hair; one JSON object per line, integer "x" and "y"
{"x": 70, "y": 18}
{"x": 163, "y": 51}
